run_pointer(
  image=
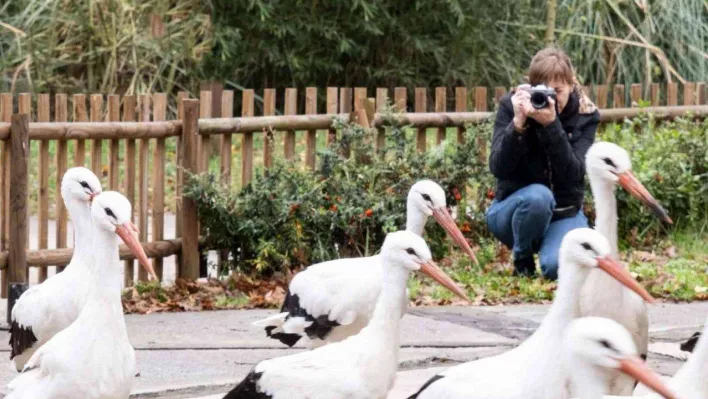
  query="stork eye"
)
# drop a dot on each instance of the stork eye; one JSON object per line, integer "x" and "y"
{"x": 609, "y": 162}
{"x": 109, "y": 212}
{"x": 427, "y": 198}
{"x": 85, "y": 185}
{"x": 607, "y": 345}
{"x": 587, "y": 246}
{"x": 410, "y": 251}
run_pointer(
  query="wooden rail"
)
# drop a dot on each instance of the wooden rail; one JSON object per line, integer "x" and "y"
{"x": 165, "y": 129}
{"x": 147, "y": 152}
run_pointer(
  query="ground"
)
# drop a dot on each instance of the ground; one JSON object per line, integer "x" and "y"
{"x": 195, "y": 355}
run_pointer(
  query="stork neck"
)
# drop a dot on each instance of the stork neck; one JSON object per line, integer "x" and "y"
{"x": 589, "y": 381}
{"x": 106, "y": 270}
{"x": 389, "y": 306}
{"x": 80, "y": 214}
{"x": 566, "y": 305}
{"x": 603, "y": 193}
{"x": 415, "y": 219}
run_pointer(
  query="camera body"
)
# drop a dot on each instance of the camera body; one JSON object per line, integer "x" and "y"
{"x": 540, "y": 95}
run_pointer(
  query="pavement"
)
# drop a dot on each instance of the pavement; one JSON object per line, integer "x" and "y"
{"x": 203, "y": 354}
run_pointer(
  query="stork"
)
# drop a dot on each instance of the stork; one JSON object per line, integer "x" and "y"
{"x": 333, "y": 300}
{"x": 362, "y": 366}
{"x": 691, "y": 380}
{"x": 532, "y": 370}
{"x": 597, "y": 348}
{"x": 92, "y": 358}
{"x": 47, "y": 308}
{"x": 609, "y": 165}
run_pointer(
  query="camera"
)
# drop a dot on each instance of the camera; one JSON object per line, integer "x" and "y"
{"x": 540, "y": 94}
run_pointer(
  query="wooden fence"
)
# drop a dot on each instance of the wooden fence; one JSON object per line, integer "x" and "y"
{"x": 146, "y": 153}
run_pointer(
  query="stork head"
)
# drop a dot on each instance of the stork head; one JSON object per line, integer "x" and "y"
{"x": 408, "y": 250}
{"x": 80, "y": 184}
{"x": 428, "y": 197}
{"x": 587, "y": 248}
{"x": 111, "y": 211}
{"x": 610, "y": 162}
{"x": 606, "y": 344}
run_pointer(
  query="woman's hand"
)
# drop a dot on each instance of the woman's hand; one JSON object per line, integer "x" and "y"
{"x": 544, "y": 116}
{"x": 521, "y": 100}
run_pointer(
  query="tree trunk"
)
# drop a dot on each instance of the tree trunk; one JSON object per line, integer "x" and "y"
{"x": 550, "y": 22}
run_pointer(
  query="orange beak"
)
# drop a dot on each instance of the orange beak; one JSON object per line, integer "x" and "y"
{"x": 616, "y": 270}
{"x": 437, "y": 274}
{"x": 634, "y": 187}
{"x": 635, "y": 367}
{"x": 443, "y": 217}
{"x": 91, "y": 197}
{"x": 126, "y": 233}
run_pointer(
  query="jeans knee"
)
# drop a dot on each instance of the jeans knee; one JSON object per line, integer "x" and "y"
{"x": 549, "y": 265}
{"x": 539, "y": 199}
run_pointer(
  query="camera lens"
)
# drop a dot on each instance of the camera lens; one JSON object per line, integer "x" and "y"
{"x": 539, "y": 99}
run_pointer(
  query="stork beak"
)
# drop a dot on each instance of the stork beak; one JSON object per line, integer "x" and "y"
{"x": 619, "y": 273}
{"x": 633, "y": 186}
{"x": 635, "y": 367}
{"x": 91, "y": 197}
{"x": 125, "y": 232}
{"x": 437, "y": 274}
{"x": 442, "y": 216}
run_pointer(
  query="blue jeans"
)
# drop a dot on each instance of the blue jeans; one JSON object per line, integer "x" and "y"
{"x": 522, "y": 221}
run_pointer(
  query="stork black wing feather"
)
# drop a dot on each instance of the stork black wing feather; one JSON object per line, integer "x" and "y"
{"x": 21, "y": 339}
{"x": 248, "y": 388}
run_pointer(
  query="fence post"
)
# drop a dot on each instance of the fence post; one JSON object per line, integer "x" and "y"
{"x": 17, "y": 259}
{"x": 189, "y": 265}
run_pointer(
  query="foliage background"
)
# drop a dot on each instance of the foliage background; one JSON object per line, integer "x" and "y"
{"x": 289, "y": 217}
{"x": 117, "y": 46}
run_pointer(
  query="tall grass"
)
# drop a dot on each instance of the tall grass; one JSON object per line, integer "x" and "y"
{"x": 109, "y": 46}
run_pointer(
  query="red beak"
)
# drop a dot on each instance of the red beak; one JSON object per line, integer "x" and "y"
{"x": 126, "y": 233}
{"x": 437, "y": 274}
{"x": 635, "y": 367}
{"x": 634, "y": 187}
{"x": 443, "y": 217}
{"x": 616, "y": 270}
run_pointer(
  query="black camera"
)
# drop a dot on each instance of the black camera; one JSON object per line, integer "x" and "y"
{"x": 540, "y": 95}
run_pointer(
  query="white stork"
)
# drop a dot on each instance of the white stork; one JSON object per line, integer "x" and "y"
{"x": 533, "y": 370}
{"x": 609, "y": 165}
{"x": 691, "y": 380}
{"x": 362, "y": 366}
{"x": 597, "y": 348}
{"x": 92, "y": 358}
{"x": 333, "y": 300}
{"x": 47, "y": 308}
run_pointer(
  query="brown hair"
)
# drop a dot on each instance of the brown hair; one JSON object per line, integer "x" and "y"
{"x": 550, "y": 64}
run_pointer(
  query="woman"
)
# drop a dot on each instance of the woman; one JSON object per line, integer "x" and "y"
{"x": 538, "y": 158}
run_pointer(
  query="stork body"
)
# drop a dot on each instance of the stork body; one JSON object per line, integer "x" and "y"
{"x": 691, "y": 380}
{"x": 609, "y": 165}
{"x": 533, "y": 370}
{"x": 92, "y": 358}
{"x": 361, "y": 366}
{"x": 596, "y": 349}
{"x": 333, "y": 300}
{"x": 45, "y": 309}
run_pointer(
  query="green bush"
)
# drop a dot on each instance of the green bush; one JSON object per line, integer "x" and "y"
{"x": 289, "y": 217}
{"x": 671, "y": 160}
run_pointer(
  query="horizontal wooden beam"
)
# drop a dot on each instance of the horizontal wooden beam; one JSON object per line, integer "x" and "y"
{"x": 98, "y": 130}
{"x": 61, "y": 257}
{"x": 148, "y": 130}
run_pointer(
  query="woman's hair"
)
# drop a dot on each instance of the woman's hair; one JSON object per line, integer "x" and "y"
{"x": 550, "y": 64}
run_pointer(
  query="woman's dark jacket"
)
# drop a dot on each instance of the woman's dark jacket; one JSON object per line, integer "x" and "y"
{"x": 553, "y": 156}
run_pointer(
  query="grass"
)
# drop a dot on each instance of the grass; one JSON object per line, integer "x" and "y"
{"x": 676, "y": 270}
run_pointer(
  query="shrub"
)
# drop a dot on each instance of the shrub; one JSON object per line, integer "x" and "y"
{"x": 289, "y": 217}
{"x": 671, "y": 159}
